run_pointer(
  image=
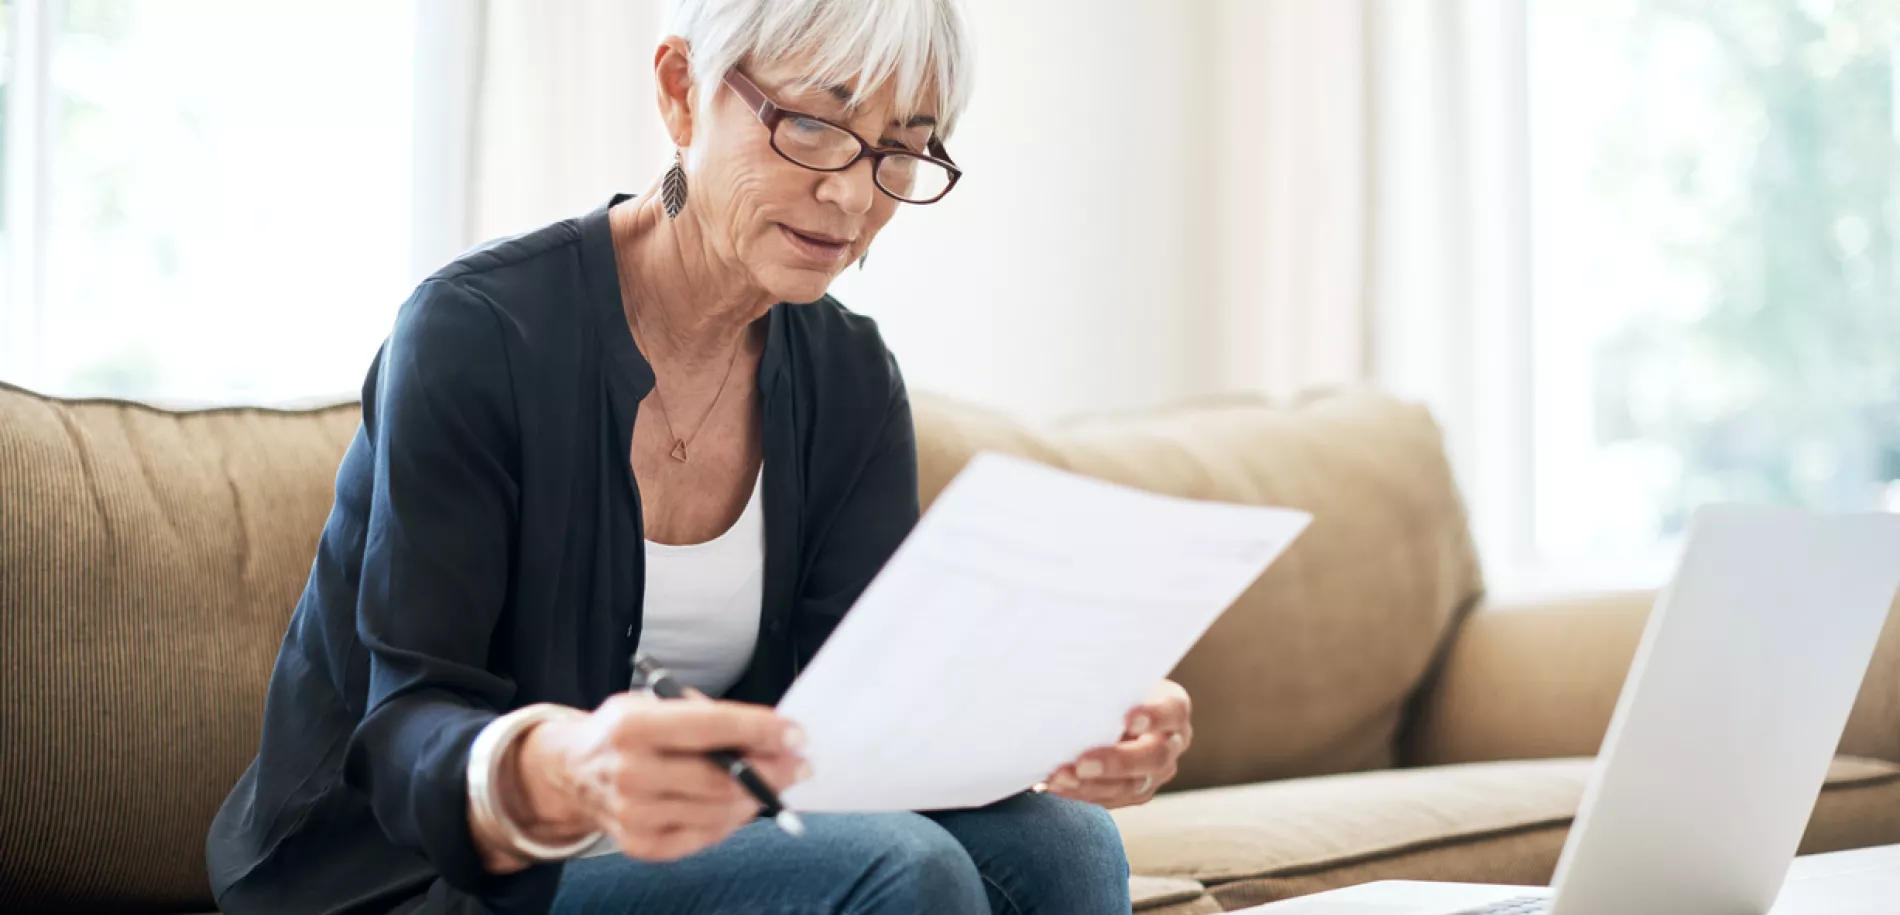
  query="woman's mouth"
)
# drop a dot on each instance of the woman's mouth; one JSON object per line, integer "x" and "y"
{"x": 822, "y": 249}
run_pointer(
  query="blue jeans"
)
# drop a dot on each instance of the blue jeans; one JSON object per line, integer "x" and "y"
{"x": 1032, "y": 853}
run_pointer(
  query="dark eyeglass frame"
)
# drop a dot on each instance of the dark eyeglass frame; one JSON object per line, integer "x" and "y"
{"x": 770, "y": 114}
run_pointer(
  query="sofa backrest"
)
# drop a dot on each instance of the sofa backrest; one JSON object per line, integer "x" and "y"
{"x": 1312, "y": 669}
{"x": 149, "y": 562}
{"x": 148, "y": 565}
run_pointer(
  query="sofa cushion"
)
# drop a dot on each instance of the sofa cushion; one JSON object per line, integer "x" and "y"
{"x": 148, "y": 563}
{"x": 1170, "y": 896}
{"x": 1311, "y": 669}
{"x": 1502, "y": 822}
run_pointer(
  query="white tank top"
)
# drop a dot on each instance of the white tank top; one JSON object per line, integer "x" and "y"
{"x": 701, "y": 616}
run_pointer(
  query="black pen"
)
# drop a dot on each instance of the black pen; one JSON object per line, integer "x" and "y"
{"x": 661, "y": 683}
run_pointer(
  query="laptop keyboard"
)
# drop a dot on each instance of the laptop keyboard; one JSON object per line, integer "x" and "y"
{"x": 1523, "y": 905}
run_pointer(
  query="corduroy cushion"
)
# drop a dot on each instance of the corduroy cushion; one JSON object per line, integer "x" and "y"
{"x": 1311, "y": 669}
{"x": 1501, "y": 822}
{"x": 1170, "y": 896}
{"x": 148, "y": 564}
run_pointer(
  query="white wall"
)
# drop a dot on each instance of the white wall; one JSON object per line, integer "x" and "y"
{"x": 1071, "y": 269}
{"x": 1104, "y": 251}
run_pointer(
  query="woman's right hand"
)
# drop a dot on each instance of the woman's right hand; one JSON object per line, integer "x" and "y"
{"x": 635, "y": 769}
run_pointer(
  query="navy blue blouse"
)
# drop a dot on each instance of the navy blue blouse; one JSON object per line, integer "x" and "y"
{"x": 485, "y": 552}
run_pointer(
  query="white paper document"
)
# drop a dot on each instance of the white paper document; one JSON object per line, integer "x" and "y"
{"x": 1024, "y": 616}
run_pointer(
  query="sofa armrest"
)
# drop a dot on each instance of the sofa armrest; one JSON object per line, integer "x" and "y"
{"x": 1528, "y": 681}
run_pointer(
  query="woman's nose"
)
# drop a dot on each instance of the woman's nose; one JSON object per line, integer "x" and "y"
{"x": 852, "y": 190}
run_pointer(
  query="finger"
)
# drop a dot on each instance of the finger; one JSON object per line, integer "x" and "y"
{"x": 1149, "y": 718}
{"x": 1141, "y": 719}
{"x": 689, "y": 777}
{"x": 689, "y": 727}
{"x": 634, "y": 698}
{"x": 674, "y": 844}
{"x": 1067, "y": 783}
{"x": 1143, "y": 755}
{"x": 1166, "y": 711}
{"x": 642, "y": 842}
{"x": 1106, "y": 792}
{"x": 781, "y": 771}
{"x": 624, "y": 839}
{"x": 671, "y": 844}
{"x": 1171, "y": 745}
{"x": 1116, "y": 792}
{"x": 656, "y": 815}
{"x": 1061, "y": 780}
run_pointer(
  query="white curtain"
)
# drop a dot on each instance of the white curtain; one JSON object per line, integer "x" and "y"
{"x": 1373, "y": 218}
{"x": 1449, "y": 269}
{"x": 1371, "y": 201}
{"x": 1178, "y": 200}
{"x": 1292, "y": 192}
{"x": 529, "y": 112}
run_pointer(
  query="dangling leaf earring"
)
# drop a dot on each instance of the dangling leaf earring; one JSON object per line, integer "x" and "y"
{"x": 673, "y": 188}
{"x": 862, "y": 258}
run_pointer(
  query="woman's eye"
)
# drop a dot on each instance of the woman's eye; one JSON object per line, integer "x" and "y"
{"x": 807, "y": 125}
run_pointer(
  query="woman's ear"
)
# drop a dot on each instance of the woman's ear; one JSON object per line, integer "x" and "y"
{"x": 673, "y": 89}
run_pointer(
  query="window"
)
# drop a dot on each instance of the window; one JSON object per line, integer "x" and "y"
{"x": 204, "y": 200}
{"x": 1715, "y": 200}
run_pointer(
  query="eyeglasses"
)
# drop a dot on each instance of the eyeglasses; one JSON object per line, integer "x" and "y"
{"x": 823, "y": 146}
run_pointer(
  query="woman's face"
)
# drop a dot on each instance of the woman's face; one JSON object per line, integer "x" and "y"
{"x": 793, "y": 229}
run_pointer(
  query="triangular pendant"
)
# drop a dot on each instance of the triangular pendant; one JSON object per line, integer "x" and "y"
{"x": 679, "y": 451}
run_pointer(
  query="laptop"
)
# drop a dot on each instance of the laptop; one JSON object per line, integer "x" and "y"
{"x": 1722, "y": 737}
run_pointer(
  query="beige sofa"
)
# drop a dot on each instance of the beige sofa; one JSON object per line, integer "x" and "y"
{"x": 1362, "y": 714}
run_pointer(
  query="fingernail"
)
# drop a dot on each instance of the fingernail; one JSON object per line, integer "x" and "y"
{"x": 1040, "y": 787}
{"x": 804, "y": 772}
{"x": 1139, "y": 726}
{"x": 1089, "y": 768}
{"x": 1176, "y": 742}
{"x": 794, "y": 737}
{"x": 1066, "y": 782}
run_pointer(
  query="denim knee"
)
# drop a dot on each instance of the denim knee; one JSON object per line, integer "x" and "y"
{"x": 1045, "y": 855}
{"x": 1081, "y": 843}
{"x": 918, "y": 867}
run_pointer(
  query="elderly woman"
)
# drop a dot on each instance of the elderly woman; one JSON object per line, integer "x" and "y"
{"x": 613, "y": 434}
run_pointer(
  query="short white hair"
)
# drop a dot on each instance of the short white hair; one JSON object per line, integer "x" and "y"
{"x": 919, "y": 44}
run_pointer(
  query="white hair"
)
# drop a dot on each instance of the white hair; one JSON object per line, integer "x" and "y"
{"x": 920, "y": 44}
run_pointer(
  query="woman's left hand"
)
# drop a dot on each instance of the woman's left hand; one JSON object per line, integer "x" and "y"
{"x": 1129, "y": 772}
